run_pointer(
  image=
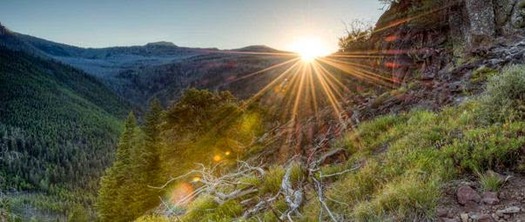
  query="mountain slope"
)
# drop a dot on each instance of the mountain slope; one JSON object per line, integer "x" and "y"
{"x": 161, "y": 69}
{"x": 58, "y": 128}
{"x": 426, "y": 150}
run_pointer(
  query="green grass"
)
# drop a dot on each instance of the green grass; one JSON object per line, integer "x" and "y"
{"x": 404, "y": 161}
{"x": 408, "y": 157}
{"x": 490, "y": 181}
{"x": 204, "y": 208}
{"x": 271, "y": 182}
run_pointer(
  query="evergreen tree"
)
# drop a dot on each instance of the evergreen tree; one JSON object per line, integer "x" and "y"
{"x": 115, "y": 192}
{"x": 145, "y": 163}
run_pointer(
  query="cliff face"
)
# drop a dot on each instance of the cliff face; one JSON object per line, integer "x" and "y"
{"x": 432, "y": 48}
{"x": 463, "y": 26}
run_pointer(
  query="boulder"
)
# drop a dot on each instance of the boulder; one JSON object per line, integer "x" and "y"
{"x": 482, "y": 21}
{"x": 485, "y": 218}
{"x": 517, "y": 16}
{"x": 467, "y": 195}
{"x": 490, "y": 198}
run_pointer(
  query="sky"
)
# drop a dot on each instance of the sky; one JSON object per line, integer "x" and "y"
{"x": 226, "y": 24}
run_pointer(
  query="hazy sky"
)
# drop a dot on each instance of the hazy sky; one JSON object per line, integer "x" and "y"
{"x": 224, "y": 24}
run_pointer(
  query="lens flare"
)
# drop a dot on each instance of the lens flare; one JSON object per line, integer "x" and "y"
{"x": 180, "y": 195}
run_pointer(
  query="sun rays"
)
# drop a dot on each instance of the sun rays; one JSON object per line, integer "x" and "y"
{"x": 310, "y": 49}
{"x": 308, "y": 87}
{"x": 309, "y": 82}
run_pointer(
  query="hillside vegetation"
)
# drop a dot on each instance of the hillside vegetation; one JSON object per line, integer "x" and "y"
{"x": 399, "y": 165}
{"x": 453, "y": 114}
{"x": 58, "y": 128}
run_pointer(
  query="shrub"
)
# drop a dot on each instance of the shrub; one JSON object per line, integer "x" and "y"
{"x": 357, "y": 34}
{"x": 482, "y": 74}
{"x": 504, "y": 99}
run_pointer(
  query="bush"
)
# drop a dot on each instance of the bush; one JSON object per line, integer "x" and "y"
{"x": 357, "y": 34}
{"x": 482, "y": 74}
{"x": 504, "y": 99}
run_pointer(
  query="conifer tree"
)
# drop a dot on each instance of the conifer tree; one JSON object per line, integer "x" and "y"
{"x": 145, "y": 163}
{"x": 114, "y": 193}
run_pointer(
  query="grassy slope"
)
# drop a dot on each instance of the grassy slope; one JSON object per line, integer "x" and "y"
{"x": 403, "y": 161}
{"x": 406, "y": 159}
{"x": 58, "y": 127}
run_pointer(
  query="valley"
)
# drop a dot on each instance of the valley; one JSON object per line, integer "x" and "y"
{"x": 417, "y": 117}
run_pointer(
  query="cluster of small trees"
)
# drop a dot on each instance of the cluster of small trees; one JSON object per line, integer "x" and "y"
{"x": 357, "y": 32}
{"x": 202, "y": 127}
{"x": 124, "y": 193}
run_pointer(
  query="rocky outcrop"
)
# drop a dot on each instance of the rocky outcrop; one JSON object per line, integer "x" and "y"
{"x": 482, "y": 21}
{"x": 509, "y": 15}
{"x": 431, "y": 48}
{"x": 430, "y": 33}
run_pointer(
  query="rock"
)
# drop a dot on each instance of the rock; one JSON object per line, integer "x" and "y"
{"x": 516, "y": 18}
{"x": 473, "y": 216}
{"x": 496, "y": 62}
{"x": 466, "y": 194}
{"x": 482, "y": 21}
{"x": 508, "y": 210}
{"x": 513, "y": 50}
{"x": 485, "y": 218}
{"x": 464, "y": 217}
{"x": 503, "y": 12}
{"x": 442, "y": 212}
{"x": 445, "y": 219}
{"x": 490, "y": 198}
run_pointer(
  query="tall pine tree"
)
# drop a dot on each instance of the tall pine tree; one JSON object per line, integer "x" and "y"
{"x": 114, "y": 193}
{"x": 145, "y": 163}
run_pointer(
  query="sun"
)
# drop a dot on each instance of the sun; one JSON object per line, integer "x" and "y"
{"x": 310, "y": 48}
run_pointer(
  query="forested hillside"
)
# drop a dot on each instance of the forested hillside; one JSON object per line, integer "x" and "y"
{"x": 201, "y": 128}
{"x": 58, "y": 130}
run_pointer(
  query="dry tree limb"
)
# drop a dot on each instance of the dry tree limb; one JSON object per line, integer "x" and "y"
{"x": 211, "y": 184}
{"x": 320, "y": 197}
{"x": 294, "y": 198}
{"x": 340, "y": 173}
{"x": 221, "y": 197}
{"x": 259, "y": 206}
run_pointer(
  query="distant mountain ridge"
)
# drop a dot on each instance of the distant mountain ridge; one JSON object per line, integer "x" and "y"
{"x": 158, "y": 69}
